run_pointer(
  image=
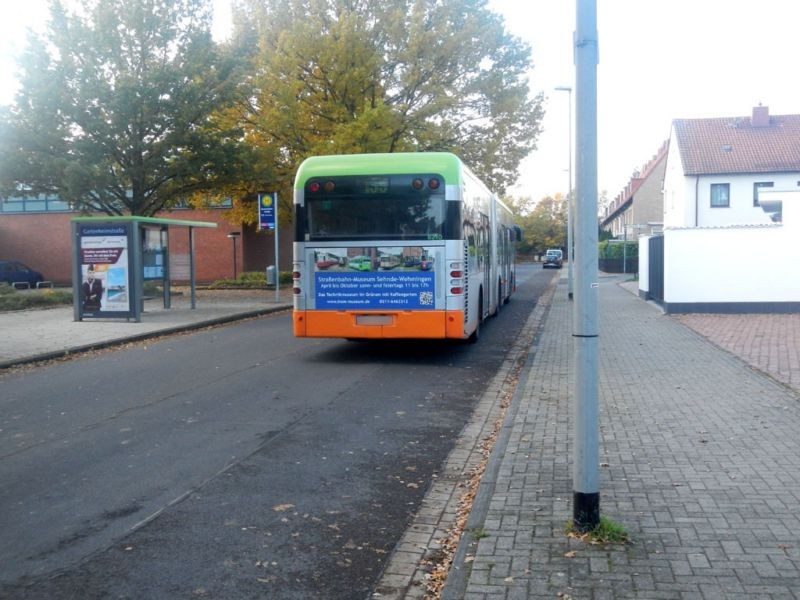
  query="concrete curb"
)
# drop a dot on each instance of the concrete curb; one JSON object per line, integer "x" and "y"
{"x": 460, "y": 570}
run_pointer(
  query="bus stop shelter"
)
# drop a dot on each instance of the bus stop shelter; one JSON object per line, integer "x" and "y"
{"x": 112, "y": 257}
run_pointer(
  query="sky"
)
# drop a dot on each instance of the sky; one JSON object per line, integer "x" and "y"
{"x": 659, "y": 60}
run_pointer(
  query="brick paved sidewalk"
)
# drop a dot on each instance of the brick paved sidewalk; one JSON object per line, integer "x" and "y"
{"x": 701, "y": 465}
{"x": 770, "y": 343}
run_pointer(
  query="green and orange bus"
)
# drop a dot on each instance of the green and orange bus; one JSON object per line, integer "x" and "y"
{"x": 451, "y": 241}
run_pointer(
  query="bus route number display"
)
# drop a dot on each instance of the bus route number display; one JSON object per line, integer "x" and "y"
{"x": 375, "y": 290}
{"x": 376, "y": 185}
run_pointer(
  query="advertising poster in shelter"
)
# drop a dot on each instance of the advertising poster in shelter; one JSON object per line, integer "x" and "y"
{"x": 154, "y": 252}
{"x": 105, "y": 270}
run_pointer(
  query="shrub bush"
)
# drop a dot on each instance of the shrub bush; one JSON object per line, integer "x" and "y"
{"x": 609, "y": 249}
{"x": 11, "y": 299}
{"x": 250, "y": 280}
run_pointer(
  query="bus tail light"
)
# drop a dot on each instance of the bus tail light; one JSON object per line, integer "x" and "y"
{"x": 457, "y": 277}
{"x": 296, "y": 278}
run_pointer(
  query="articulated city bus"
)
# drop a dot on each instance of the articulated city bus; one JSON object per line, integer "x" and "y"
{"x": 427, "y": 250}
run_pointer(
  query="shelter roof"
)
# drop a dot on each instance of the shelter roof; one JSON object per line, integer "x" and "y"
{"x": 146, "y": 221}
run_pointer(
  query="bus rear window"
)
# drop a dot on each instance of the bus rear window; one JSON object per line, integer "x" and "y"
{"x": 376, "y": 211}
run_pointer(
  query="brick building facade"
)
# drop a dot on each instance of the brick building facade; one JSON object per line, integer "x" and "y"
{"x": 639, "y": 208}
{"x": 41, "y": 240}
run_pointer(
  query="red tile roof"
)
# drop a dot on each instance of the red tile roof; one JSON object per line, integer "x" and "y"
{"x": 734, "y": 145}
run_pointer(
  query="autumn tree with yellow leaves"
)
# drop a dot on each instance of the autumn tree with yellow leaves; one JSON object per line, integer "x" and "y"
{"x": 355, "y": 76}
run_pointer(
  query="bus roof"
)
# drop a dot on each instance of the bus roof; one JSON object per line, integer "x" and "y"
{"x": 445, "y": 164}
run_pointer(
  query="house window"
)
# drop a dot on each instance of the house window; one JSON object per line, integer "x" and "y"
{"x": 759, "y": 185}
{"x": 720, "y": 195}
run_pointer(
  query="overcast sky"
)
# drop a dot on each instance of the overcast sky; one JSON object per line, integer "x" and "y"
{"x": 659, "y": 60}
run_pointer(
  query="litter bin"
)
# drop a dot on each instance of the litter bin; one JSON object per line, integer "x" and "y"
{"x": 272, "y": 275}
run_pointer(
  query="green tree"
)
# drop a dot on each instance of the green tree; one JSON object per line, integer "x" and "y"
{"x": 116, "y": 108}
{"x": 602, "y": 203}
{"x": 604, "y": 234}
{"x": 349, "y": 76}
{"x": 544, "y": 225}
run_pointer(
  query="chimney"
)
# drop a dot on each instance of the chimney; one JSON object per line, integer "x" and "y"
{"x": 760, "y": 116}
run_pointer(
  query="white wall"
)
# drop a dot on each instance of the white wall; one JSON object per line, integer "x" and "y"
{"x": 735, "y": 264}
{"x": 741, "y": 210}
{"x": 675, "y": 196}
{"x": 644, "y": 263}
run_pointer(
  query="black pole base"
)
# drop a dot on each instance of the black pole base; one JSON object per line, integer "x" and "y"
{"x": 585, "y": 511}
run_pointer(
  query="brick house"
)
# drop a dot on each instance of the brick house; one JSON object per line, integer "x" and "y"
{"x": 639, "y": 208}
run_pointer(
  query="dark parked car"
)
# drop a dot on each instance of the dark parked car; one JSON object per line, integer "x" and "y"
{"x": 12, "y": 272}
{"x": 554, "y": 258}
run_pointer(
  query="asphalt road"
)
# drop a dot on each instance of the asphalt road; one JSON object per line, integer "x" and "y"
{"x": 235, "y": 462}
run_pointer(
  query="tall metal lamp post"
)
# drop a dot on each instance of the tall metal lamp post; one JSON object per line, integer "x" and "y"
{"x": 568, "y": 89}
{"x": 233, "y": 235}
{"x": 586, "y": 477}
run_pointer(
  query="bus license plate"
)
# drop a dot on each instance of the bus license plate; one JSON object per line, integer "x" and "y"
{"x": 374, "y": 319}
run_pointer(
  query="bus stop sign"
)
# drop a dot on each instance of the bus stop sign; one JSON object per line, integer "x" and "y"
{"x": 266, "y": 210}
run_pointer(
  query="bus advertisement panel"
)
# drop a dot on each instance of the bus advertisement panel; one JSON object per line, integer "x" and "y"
{"x": 374, "y": 290}
{"x": 395, "y": 279}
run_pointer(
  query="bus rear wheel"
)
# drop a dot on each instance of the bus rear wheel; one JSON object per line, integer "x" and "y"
{"x": 476, "y": 335}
